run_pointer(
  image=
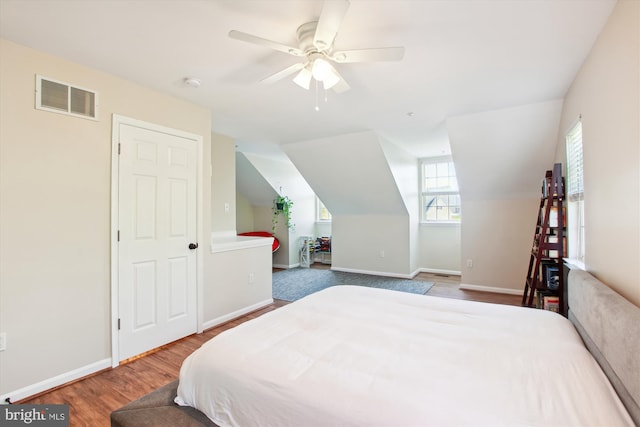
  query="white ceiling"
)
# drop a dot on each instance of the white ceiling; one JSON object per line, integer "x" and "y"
{"x": 462, "y": 57}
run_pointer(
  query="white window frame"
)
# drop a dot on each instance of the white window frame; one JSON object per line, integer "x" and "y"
{"x": 319, "y": 207}
{"x": 427, "y": 193}
{"x": 575, "y": 194}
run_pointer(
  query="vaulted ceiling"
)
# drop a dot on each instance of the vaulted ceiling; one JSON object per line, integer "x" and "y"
{"x": 462, "y": 57}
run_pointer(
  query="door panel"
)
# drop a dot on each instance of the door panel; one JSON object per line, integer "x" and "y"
{"x": 157, "y": 221}
{"x": 145, "y": 295}
{"x": 178, "y": 287}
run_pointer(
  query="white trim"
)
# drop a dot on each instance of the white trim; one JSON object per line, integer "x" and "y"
{"x": 375, "y": 273}
{"x": 452, "y": 224}
{"x": 285, "y": 266}
{"x": 116, "y": 121}
{"x": 224, "y": 241}
{"x": 115, "y": 268}
{"x": 492, "y": 289}
{"x": 58, "y": 380}
{"x": 575, "y": 264}
{"x": 235, "y": 314}
{"x": 439, "y": 271}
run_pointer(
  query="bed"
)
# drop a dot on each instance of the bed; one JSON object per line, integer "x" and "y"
{"x": 355, "y": 356}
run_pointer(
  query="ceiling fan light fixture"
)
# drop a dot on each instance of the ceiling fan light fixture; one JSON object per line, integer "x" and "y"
{"x": 331, "y": 78}
{"x": 303, "y": 79}
{"x": 320, "y": 69}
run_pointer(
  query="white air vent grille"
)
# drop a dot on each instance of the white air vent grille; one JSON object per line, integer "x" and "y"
{"x": 59, "y": 97}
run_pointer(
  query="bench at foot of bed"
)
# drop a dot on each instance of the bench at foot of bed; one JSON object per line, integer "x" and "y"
{"x": 157, "y": 409}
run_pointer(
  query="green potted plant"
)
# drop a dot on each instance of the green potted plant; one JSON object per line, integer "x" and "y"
{"x": 282, "y": 205}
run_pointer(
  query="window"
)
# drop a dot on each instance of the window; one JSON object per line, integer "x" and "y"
{"x": 575, "y": 193}
{"x": 440, "y": 198}
{"x": 322, "y": 213}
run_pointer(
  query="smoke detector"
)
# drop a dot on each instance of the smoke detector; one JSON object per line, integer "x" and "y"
{"x": 192, "y": 82}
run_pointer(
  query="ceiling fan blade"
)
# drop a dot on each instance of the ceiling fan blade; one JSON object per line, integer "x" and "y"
{"x": 368, "y": 55}
{"x": 239, "y": 35}
{"x": 284, "y": 73}
{"x": 333, "y": 12}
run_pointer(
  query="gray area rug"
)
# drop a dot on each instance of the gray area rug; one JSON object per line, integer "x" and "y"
{"x": 295, "y": 283}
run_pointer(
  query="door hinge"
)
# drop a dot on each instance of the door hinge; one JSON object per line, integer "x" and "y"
{"x": 118, "y": 235}
{"x": 118, "y": 323}
{"x": 119, "y": 147}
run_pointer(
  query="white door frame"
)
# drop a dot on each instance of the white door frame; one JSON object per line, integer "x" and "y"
{"x": 115, "y": 208}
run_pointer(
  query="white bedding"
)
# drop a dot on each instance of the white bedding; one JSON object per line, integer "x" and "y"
{"x": 356, "y": 356}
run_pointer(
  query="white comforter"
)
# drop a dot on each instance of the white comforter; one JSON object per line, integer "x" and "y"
{"x": 355, "y": 356}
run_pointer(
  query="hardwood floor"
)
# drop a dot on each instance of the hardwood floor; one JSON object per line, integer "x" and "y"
{"x": 449, "y": 287}
{"x": 92, "y": 399}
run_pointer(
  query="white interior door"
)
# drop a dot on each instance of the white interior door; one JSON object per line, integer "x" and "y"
{"x": 157, "y": 213}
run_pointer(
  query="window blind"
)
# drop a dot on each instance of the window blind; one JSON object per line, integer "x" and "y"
{"x": 575, "y": 171}
{"x": 575, "y": 193}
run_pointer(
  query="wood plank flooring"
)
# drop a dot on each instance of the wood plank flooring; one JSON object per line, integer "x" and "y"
{"x": 92, "y": 399}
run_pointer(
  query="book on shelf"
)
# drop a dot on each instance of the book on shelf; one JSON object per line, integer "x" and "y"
{"x": 547, "y": 299}
{"x": 552, "y": 277}
{"x": 553, "y": 217}
{"x": 551, "y": 303}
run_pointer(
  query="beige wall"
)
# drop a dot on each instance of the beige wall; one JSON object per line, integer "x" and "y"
{"x": 372, "y": 244}
{"x": 244, "y": 214}
{"x": 55, "y": 227}
{"x": 440, "y": 248}
{"x": 606, "y": 92}
{"x": 242, "y": 283}
{"x": 498, "y": 242}
{"x": 223, "y": 177}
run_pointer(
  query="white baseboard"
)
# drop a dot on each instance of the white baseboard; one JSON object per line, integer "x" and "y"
{"x": 235, "y": 314}
{"x": 56, "y": 381}
{"x": 490, "y": 289}
{"x": 374, "y": 273}
{"x": 285, "y": 266}
{"x": 439, "y": 271}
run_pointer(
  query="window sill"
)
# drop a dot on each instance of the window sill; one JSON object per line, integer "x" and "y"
{"x": 575, "y": 264}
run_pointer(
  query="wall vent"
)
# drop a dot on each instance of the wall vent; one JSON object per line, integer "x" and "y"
{"x": 60, "y": 97}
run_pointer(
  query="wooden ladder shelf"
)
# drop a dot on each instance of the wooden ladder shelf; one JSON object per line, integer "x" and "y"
{"x": 545, "y": 276}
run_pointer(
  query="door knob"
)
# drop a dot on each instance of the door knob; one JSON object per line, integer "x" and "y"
{"x": 193, "y": 246}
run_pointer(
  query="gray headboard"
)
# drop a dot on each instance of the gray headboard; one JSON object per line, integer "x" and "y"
{"x": 610, "y": 328}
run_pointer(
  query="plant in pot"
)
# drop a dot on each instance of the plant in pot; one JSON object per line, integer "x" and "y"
{"x": 282, "y": 206}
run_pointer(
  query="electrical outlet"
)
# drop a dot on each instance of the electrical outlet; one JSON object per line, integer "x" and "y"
{"x": 381, "y": 254}
{"x": 252, "y": 278}
{"x": 3, "y": 341}
{"x": 226, "y": 207}
{"x": 470, "y": 263}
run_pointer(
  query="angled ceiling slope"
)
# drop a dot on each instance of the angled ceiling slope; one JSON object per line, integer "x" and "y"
{"x": 261, "y": 178}
{"x": 349, "y": 173}
{"x": 251, "y": 184}
{"x": 504, "y": 153}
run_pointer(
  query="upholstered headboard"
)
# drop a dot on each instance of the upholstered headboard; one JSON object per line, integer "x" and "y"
{"x": 610, "y": 328}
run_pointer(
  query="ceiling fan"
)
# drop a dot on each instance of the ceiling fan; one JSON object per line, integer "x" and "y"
{"x": 315, "y": 46}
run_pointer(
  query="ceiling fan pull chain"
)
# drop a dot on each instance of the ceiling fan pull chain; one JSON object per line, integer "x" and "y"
{"x": 317, "y": 107}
